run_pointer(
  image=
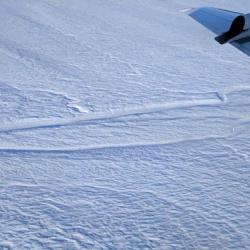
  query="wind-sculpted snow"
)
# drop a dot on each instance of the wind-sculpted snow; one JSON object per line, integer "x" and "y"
{"x": 153, "y": 108}
{"x": 84, "y": 201}
{"x": 122, "y": 126}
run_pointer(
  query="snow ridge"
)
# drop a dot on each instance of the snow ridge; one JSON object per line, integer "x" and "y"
{"x": 80, "y": 119}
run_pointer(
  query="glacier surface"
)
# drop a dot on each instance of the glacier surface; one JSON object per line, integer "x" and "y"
{"x": 123, "y": 126}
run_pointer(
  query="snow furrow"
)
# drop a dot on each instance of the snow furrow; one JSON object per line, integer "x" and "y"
{"x": 58, "y": 122}
{"x": 82, "y": 149}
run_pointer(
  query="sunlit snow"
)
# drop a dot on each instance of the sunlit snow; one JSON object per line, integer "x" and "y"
{"x": 123, "y": 125}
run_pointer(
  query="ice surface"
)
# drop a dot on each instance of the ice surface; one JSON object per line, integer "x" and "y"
{"x": 123, "y": 126}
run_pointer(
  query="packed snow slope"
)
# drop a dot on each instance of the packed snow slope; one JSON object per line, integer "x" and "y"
{"x": 123, "y": 126}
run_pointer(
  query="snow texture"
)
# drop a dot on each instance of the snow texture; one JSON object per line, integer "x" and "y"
{"x": 123, "y": 126}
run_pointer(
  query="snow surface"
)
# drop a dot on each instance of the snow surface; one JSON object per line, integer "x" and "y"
{"x": 123, "y": 126}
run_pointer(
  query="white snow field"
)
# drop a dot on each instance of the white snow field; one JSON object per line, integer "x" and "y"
{"x": 123, "y": 125}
